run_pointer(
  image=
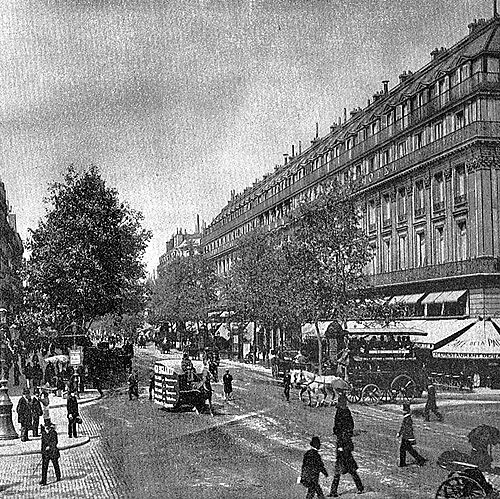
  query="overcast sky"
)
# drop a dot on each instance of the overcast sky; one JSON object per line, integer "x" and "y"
{"x": 180, "y": 101}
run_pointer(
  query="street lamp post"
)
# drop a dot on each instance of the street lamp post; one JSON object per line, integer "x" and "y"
{"x": 7, "y": 430}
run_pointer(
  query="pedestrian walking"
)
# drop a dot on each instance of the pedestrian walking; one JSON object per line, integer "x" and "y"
{"x": 73, "y": 414}
{"x": 287, "y": 383}
{"x": 407, "y": 438}
{"x": 28, "y": 374}
{"x": 98, "y": 384}
{"x": 50, "y": 452}
{"x": 430, "y": 404}
{"x": 44, "y": 400}
{"x": 133, "y": 385}
{"x": 36, "y": 413}
{"x": 227, "y": 381}
{"x": 17, "y": 372}
{"x": 343, "y": 429}
{"x": 37, "y": 375}
{"x": 312, "y": 466}
{"x": 24, "y": 414}
{"x": 151, "y": 384}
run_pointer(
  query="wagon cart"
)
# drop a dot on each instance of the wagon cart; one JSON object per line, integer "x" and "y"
{"x": 173, "y": 389}
{"x": 383, "y": 370}
{"x": 465, "y": 480}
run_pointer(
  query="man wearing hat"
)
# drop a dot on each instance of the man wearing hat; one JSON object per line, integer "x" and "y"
{"x": 36, "y": 413}
{"x": 50, "y": 452}
{"x": 227, "y": 381}
{"x": 24, "y": 414}
{"x": 312, "y": 466}
{"x": 407, "y": 438}
{"x": 73, "y": 414}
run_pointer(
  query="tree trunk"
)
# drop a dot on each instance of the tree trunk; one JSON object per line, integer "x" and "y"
{"x": 320, "y": 349}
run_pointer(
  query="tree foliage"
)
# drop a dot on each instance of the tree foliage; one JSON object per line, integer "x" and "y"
{"x": 86, "y": 254}
{"x": 186, "y": 290}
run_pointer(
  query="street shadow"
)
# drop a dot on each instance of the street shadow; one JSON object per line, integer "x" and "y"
{"x": 6, "y": 487}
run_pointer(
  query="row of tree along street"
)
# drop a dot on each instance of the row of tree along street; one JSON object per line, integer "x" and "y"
{"x": 308, "y": 270}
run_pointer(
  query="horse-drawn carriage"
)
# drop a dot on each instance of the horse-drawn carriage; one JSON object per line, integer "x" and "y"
{"x": 385, "y": 377}
{"x": 174, "y": 389}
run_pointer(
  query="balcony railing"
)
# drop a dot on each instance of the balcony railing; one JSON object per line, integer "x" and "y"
{"x": 481, "y": 265}
{"x": 419, "y": 212}
{"x": 460, "y": 199}
{"x": 438, "y": 206}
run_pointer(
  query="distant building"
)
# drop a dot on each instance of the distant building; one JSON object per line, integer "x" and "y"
{"x": 181, "y": 244}
{"x": 11, "y": 259}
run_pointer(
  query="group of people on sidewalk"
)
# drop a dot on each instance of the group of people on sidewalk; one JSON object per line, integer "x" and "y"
{"x": 343, "y": 431}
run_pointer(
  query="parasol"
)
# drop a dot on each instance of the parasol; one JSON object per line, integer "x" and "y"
{"x": 57, "y": 358}
{"x": 484, "y": 435}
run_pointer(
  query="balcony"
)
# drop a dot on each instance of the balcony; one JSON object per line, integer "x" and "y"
{"x": 482, "y": 265}
{"x": 419, "y": 212}
{"x": 386, "y": 223}
{"x": 461, "y": 199}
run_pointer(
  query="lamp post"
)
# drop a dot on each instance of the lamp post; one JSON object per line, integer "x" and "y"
{"x": 7, "y": 431}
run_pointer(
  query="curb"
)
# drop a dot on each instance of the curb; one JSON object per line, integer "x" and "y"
{"x": 27, "y": 452}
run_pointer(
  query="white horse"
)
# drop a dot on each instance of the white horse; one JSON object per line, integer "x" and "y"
{"x": 318, "y": 385}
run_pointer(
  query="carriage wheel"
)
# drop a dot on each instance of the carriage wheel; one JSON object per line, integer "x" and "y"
{"x": 370, "y": 395}
{"x": 387, "y": 395}
{"x": 403, "y": 388}
{"x": 460, "y": 486}
{"x": 353, "y": 395}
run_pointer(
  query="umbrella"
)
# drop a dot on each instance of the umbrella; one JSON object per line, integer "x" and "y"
{"x": 57, "y": 358}
{"x": 484, "y": 435}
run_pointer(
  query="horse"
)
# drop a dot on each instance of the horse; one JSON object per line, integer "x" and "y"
{"x": 315, "y": 384}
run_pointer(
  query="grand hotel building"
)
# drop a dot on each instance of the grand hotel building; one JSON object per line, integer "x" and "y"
{"x": 425, "y": 159}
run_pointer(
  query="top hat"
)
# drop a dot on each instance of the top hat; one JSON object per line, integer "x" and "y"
{"x": 315, "y": 442}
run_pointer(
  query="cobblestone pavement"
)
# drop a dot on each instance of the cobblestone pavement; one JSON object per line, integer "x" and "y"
{"x": 86, "y": 472}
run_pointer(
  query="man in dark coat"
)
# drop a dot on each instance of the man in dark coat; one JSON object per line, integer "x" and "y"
{"x": 312, "y": 466}
{"x": 37, "y": 375}
{"x": 408, "y": 439}
{"x": 28, "y": 374}
{"x": 50, "y": 452}
{"x": 431, "y": 405}
{"x": 133, "y": 384}
{"x": 24, "y": 414}
{"x": 73, "y": 415}
{"x": 36, "y": 413}
{"x": 227, "y": 381}
{"x": 343, "y": 429}
{"x": 287, "y": 383}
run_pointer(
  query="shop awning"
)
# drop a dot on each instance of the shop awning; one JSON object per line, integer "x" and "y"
{"x": 406, "y": 299}
{"x": 440, "y": 331}
{"x": 223, "y": 331}
{"x": 393, "y": 329}
{"x": 481, "y": 341}
{"x": 444, "y": 297}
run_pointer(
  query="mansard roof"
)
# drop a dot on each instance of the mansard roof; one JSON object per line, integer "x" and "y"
{"x": 484, "y": 38}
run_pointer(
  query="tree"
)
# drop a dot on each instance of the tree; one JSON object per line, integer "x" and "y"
{"x": 185, "y": 291}
{"x": 328, "y": 250}
{"x": 86, "y": 254}
{"x": 260, "y": 281}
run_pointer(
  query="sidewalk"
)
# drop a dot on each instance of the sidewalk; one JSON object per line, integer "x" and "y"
{"x": 58, "y": 416}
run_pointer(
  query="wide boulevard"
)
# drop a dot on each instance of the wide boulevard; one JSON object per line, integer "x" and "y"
{"x": 251, "y": 448}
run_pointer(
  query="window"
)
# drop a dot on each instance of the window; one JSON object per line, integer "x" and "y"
{"x": 439, "y": 245}
{"x": 438, "y": 192}
{"x": 386, "y": 256}
{"x": 459, "y": 120}
{"x": 402, "y": 149}
{"x": 371, "y": 164}
{"x": 372, "y": 215}
{"x": 402, "y": 209}
{"x": 403, "y": 251}
{"x": 359, "y": 170}
{"x": 421, "y": 249}
{"x": 385, "y": 157}
{"x": 460, "y": 185}
{"x": 419, "y": 198}
{"x": 386, "y": 209}
{"x": 375, "y": 127}
{"x": 492, "y": 65}
{"x": 438, "y": 130}
{"x": 419, "y": 140}
{"x": 373, "y": 261}
{"x": 462, "y": 252}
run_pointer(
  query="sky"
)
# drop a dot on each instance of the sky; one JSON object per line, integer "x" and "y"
{"x": 178, "y": 102}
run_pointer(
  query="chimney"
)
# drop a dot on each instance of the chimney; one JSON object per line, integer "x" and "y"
{"x": 197, "y": 229}
{"x": 333, "y": 127}
{"x": 404, "y": 76}
{"x": 293, "y": 151}
{"x": 386, "y": 86}
{"x": 345, "y": 114}
{"x": 300, "y": 147}
{"x": 317, "y": 130}
{"x": 286, "y": 158}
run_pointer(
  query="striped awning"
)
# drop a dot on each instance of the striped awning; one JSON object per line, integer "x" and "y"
{"x": 444, "y": 297}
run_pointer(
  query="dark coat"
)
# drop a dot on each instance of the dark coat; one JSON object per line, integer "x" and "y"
{"x": 49, "y": 443}
{"x": 227, "y": 380}
{"x": 406, "y": 431}
{"x": 343, "y": 422}
{"x": 36, "y": 407}
{"x": 312, "y": 466}
{"x": 72, "y": 406}
{"x": 345, "y": 462}
{"x": 24, "y": 412}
